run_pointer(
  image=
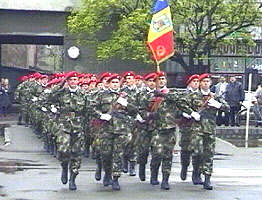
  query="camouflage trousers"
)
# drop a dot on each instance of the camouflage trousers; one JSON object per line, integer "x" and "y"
{"x": 143, "y": 145}
{"x": 112, "y": 148}
{"x": 70, "y": 148}
{"x": 163, "y": 143}
{"x": 185, "y": 144}
{"x": 203, "y": 147}
{"x": 130, "y": 149}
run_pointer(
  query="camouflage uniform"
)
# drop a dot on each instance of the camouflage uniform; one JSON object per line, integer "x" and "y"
{"x": 113, "y": 135}
{"x": 70, "y": 138}
{"x": 204, "y": 132}
{"x": 144, "y": 129}
{"x": 185, "y": 141}
{"x": 129, "y": 150}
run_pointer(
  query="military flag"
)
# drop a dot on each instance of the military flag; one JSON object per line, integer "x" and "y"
{"x": 160, "y": 37}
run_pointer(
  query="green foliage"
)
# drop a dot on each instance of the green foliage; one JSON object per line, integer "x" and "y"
{"x": 202, "y": 25}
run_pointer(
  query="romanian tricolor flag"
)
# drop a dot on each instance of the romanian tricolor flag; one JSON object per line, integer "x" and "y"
{"x": 160, "y": 37}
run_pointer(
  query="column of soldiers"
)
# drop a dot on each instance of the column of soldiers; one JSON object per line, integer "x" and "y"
{"x": 123, "y": 119}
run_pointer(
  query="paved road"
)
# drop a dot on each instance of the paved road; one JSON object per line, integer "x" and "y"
{"x": 28, "y": 173}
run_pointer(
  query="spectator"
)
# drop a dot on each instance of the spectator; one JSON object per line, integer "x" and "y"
{"x": 220, "y": 90}
{"x": 258, "y": 106}
{"x": 4, "y": 96}
{"x": 234, "y": 96}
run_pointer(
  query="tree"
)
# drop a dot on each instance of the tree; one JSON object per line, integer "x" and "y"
{"x": 118, "y": 28}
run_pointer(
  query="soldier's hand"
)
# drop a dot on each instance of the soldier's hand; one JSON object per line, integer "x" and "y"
{"x": 105, "y": 117}
{"x": 196, "y": 116}
{"x": 186, "y": 115}
{"x": 122, "y": 101}
{"x": 213, "y": 103}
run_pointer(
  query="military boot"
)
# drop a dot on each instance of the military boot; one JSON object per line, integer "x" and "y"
{"x": 142, "y": 172}
{"x": 196, "y": 176}
{"x": 98, "y": 171}
{"x": 107, "y": 180}
{"x": 165, "y": 184}
{"x": 72, "y": 184}
{"x": 64, "y": 176}
{"x": 207, "y": 184}
{"x": 183, "y": 173}
{"x": 185, "y": 160}
{"x": 125, "y": 165}
{"x": 154, "y": 176}
{"x": 132, "y": 169}
{"x": 115, "y": 183}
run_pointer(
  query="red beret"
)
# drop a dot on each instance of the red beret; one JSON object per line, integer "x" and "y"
{"x": 139, "y": 77}
{"x": 150, "y": 75}
{"x": 84, "y": 82}
{"x": 22, "y": 78}
{"x": 203, "y": 76}
{"x": 104, "y": 75}
{"x": 191, "y": 78}
{"x": 161, "y": 73}
{"x": 81, "y": 75}
{"x": 37, "y": 75}
{"x": 54, "y": 81}
{"x": 128, "y": 73}
{"x": 92, "y": 75}
{"x": 114, "y": 76}
{"x": 71, "y": 74}
{"x": 92, "y": 81}
{"x": 44, "y": 76}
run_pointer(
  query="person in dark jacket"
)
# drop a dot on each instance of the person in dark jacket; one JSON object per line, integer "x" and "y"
{"x": 4, "y": 96}
{"x": 234, "y": 96}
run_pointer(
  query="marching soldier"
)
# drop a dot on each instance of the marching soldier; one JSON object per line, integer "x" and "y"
{"x": 185, "y": 140}
{"x": 70, "y": 139}
{"x": 203, "y": 106}
{"x": 114, "y": 111}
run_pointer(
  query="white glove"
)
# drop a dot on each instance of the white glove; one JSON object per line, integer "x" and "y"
{"x": 185, "y": 115}
{"x": 139, "y": 118}
{"x": 213, "y": 103}
{"x": 122, "y": 101}
{"x": 53, "y": 109}
{"x": 106, "y": 117}
{"x": 196, "y": 116}
{"x": 47, "y": 91}
{"x": 34, "y": 99}
{"x": 44, "y": 109}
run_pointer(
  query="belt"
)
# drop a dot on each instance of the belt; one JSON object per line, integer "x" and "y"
{"x": 69, "y": 114}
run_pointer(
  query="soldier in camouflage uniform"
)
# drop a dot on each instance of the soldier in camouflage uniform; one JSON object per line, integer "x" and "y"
{"x": 185, "y": 140}
{"x": 129, "y": 156}
{"x": 166, "y": 108}
{"x": 203, "y": 106}
{"x": 114, "y": 111}
{"x": 72, "y": 106}
{"x": 144, "y": 125}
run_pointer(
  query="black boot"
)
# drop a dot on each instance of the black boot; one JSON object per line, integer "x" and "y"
{"x": 72, "y": 184}
{"x": 107, "y": 180}
{"x": 142, "y": 172}
{"x": 87, "y": 152}
{"x": 64, "y": 176}
{"x": 115, "y": 183}
{"x": 132, "y": 169}
{"x": 183, "y": 173}
{"x": 165, "y": 184}
{"x": 125, "y": 165}
{"x": 98, "y": 171}
{"x": 154, "y": 176}
{"x": 196, "y": 176}
{"x": 185, "y": 160}
{"x": 207, "y": 184}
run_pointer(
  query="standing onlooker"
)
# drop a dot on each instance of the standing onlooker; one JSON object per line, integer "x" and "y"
{"x": 234, "y": 96}
{"x": 220, "y": 91}
{"x": 4, "y": 96}
{"x": 258, "y": 106}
